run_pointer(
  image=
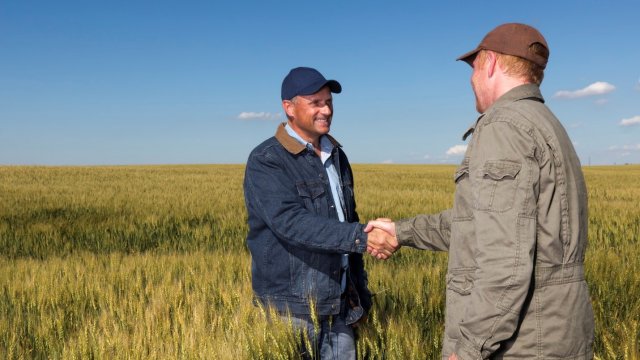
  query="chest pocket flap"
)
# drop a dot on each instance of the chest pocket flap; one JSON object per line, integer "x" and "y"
{"x": 310, "y": 189}
{"x": 497, "y": 185}
{"x": 501, "y": 169}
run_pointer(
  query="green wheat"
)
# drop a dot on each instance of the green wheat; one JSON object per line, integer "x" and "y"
{"x": 149, "y": 262}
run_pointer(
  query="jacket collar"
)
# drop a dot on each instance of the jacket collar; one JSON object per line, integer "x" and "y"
{"x": 521, "y": 92}
{"x": 292, "y": 145}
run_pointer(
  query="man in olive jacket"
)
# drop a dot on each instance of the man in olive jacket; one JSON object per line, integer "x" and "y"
{"x": 517, "y": 232}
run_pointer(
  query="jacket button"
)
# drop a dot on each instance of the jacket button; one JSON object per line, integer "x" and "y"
{"x": 357, "y": 241}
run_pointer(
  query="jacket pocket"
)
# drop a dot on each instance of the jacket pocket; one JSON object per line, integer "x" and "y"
{"x": 460, "y": 283}
{"x": 459, "y": 286}
{"x": 497, "y": 185}
{"x": 310, "y": 191}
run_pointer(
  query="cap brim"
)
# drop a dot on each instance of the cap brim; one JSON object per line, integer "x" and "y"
{"x": 333, "y": 85}
{"x": 469, "y": 56}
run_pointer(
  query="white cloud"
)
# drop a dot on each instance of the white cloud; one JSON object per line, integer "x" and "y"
{"x": 597, "y": 88}
{"x": 630, "y": 121}
{"x": 250, "y": 115}
{"x": 387, "y": 161}
{"x": 634, "y": 147}
{"x": 457, "y": 150}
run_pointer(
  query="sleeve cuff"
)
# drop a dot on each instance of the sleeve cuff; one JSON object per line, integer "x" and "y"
{"x": 404, "y": 232}
{"x": 360, "y": 239}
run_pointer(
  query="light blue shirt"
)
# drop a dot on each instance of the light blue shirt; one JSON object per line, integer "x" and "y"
{"x": 326, "y": 147}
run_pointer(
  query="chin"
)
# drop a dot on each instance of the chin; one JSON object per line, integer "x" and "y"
{"x": 323, "y": 128}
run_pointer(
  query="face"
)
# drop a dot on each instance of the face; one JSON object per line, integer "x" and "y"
{"x": 479, "y": 84}
{"x": 310, "y": 115}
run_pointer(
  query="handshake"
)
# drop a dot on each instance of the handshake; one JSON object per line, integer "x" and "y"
{"x": 382, "y": 241}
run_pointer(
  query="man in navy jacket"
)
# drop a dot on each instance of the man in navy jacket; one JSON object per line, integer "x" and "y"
{"x": 304, "y": 236}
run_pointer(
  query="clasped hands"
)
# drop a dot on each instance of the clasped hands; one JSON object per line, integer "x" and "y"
{"x": 382, "y": 241}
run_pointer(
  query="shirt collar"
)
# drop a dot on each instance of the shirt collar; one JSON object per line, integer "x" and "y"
{"x": 291, "y": 144}
{"x": 326, "y": 145}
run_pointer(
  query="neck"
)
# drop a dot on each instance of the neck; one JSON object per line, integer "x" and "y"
{"x": 505, "y": 83}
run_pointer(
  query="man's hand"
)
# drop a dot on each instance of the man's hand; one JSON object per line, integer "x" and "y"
{"x": 453, "y": 356}
{"x": 382, "y": 241}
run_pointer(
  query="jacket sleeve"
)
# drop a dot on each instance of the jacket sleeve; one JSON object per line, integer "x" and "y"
{"x": 426, "y": 232}
{"x": 271, "y": 196}
{"x": 504, "y": 174}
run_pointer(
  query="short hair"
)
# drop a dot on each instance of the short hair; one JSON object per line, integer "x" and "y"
{"x": 519, "y": 67}
{"x": 293, "y": 100}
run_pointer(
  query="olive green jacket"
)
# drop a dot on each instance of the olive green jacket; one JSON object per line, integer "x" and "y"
{"x": 516, "y": 237}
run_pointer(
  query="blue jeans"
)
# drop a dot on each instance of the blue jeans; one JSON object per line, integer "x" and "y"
{"x": 335, "y": 339}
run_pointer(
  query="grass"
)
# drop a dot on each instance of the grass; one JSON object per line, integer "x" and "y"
{"x": 149, "y": 262}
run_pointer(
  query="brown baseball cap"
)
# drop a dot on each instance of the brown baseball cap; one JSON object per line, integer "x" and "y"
{"x": 511, "y": 39}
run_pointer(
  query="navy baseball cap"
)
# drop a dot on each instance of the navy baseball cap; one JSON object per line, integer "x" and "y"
{"x": 306, "y": 81}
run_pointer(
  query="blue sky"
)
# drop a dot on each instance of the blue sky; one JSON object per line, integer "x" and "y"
{"x": 190, "y": 82}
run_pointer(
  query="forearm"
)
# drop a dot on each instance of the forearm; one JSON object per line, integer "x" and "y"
{"x": 305, "y": 229}
{"x": 427, "y": 232}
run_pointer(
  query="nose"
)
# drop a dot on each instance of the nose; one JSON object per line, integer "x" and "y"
{"x": 326, "y": 110}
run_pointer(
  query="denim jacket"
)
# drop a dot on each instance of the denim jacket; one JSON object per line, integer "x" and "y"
{"x": 516, "y": 236}
{"x": 295, "y": 238}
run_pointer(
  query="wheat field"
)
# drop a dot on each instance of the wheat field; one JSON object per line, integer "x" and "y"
{"x": 149, "y": 262}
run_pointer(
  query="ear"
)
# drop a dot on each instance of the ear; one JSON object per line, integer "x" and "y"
{"x": 492, "y": 61}
{"x": 288, "y": 107}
